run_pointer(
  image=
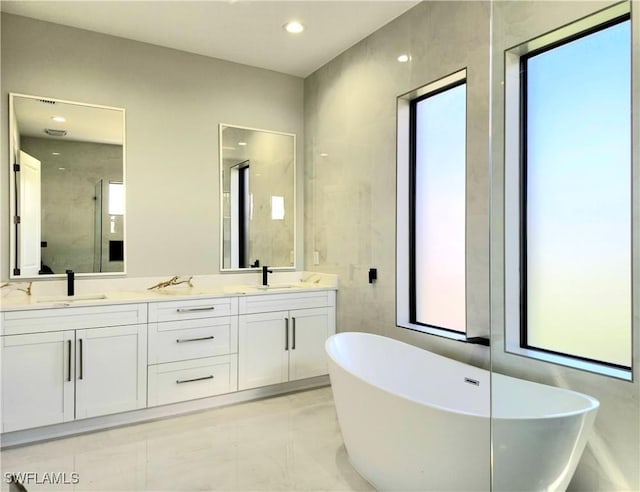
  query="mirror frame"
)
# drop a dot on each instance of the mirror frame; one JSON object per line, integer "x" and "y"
{"x": 221, "y": 204}
{"x": 13, "y": 239}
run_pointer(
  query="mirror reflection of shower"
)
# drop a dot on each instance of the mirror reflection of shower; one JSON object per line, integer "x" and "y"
{"x": 241, "y": 212}
{"x": 257, "y": 176}
{"x": 108, "y": 234}
{"x": 63, "y": 151}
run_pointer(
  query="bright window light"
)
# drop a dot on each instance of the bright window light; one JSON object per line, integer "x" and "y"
{"x": 439, "y": 244}
{"x": 577, "y": 167}
{"x": 277, "y": 208}
{"x": 116, "y": 199}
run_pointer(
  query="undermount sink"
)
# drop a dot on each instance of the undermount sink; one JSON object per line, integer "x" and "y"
{"x": 177, "y": 292}
{"x": 277, "y": 286}
{"x": 85, "y": 297}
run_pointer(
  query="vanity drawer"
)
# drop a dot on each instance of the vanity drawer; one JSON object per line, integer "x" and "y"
{"x": 180, "y": 381}
{"x": 192, "y": 339}
{"x": 285, "y": 302}
{"x": 71, "y": 318}
{"x": 193, "y": 309}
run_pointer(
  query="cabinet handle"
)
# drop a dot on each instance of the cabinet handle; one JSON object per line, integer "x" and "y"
{"x": 81, "y": 356}
{"x": 286, "y": 333}
{"x": 189, "y": 310}
{"x": 182, "y": 340}
{"x": 181, "y": 381}
{"x": 69, "y": 360}
{"x": 293, "y": 346}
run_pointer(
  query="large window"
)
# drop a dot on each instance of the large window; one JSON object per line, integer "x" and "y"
{"x": 438, "y": 135}
{"x": 574, "y": 207}
{"x": 431, "y": 231}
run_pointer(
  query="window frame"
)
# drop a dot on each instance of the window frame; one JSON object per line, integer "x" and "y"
{"x": 413, "y": 195}
{"x": 404, "y": 211}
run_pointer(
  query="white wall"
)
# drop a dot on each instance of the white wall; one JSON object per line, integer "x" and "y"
{"x": 174, "y": 102}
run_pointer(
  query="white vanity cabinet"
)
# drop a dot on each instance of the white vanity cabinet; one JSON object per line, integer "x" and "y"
{"x": 37, "y": 379}
{"x": 64, "y": 363}
{"x": 281, "y": 337}
{"x": 71, "y": 363}
{"x": 193, "y": 347}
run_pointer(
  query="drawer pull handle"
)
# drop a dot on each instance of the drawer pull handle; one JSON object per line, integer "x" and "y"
{"x": 81, "y": 361}
{"x": 181, "y": 381}
{"x": 286, "y": 333}
{"x": 183, "y": 340}
{"x": 69, "y": 360}
{"x": 293, "y": 346}
{"x": 190, "y": 310}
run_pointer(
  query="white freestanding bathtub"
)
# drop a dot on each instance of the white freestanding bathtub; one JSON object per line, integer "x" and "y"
{"x": 413, "y": 420}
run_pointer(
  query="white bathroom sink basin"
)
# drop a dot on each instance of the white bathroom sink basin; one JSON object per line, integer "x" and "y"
{"x": 176, "y": 292}
{"x": 278, "y": 286}
{"x": 85, "y": 297}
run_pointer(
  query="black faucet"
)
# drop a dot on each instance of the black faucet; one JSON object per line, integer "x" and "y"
{"x": 265, "y": 274}
{"x": 70, "y": 282}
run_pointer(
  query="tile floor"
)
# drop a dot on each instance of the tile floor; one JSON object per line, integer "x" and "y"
{"x": 289, "y": 442}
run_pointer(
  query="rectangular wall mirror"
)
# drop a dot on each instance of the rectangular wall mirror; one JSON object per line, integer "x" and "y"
{"x": 257, "y": 179}
{"x": 67, "y": 187}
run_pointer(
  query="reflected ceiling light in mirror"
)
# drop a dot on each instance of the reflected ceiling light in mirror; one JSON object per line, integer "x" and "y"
{"x": 324, "y": 154}
{"x": 242, "y": 144}
{"x": 61, "y": 168}
{"x": 55, "y": 153}
{"x": 294, "y": 27}
{"x": 404, "y": 58}
{"x": 59, "y": 119}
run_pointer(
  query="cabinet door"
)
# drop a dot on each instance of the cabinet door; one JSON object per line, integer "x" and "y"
{"x": 111, "y": 370}
{"x": 262, "y": 349}
{"x": 310, "y": 328}
{"x": 37, "y": 380}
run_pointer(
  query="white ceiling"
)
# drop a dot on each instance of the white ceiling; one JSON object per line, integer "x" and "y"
{"x": 83, "y": 123}
{"x": 248, "y": 32}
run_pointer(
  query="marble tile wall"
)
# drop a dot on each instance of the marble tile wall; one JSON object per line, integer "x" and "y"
{"x": 350, "y": 162}
{"x": 610, "y": 461}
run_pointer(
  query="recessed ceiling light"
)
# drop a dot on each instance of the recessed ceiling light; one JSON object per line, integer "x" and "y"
{"x": 404, "y": 58}
{"x": 242, "y": 144}
{"x": 61, "y": 168}
{"x": 324, "y": 154}
{"x": 59, "y": 119}
{"x": 294, "y": 27}
{"x": 55, "y": 153}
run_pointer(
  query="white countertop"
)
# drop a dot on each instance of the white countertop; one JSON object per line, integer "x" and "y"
{"x": 119, "y": 291}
